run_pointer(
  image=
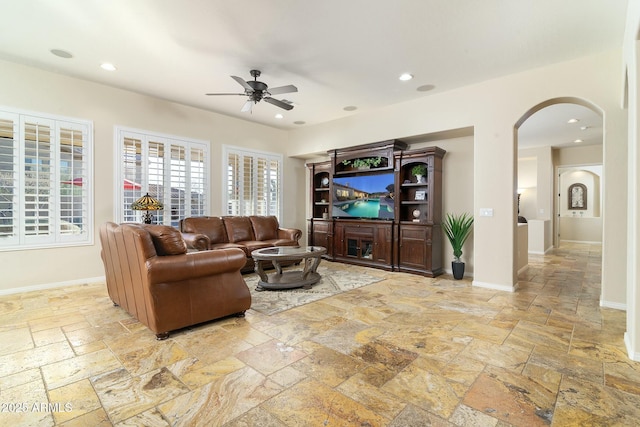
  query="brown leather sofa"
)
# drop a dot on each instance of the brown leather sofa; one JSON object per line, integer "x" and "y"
{"x": 244, "y": 232}
{"x": 150, "y": 274}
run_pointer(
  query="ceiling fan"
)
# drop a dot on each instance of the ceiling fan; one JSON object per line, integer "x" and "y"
{"x": 257, "y": 91}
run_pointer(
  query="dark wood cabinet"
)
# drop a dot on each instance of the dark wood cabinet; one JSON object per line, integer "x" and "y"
{"x": 320, "y": 190}
{"x": 409, "y": 239}
{"x": 419, "y": 249}
{"x": 364, "y": 242}
{"x": 321, "y": 234}
{"x": 419, "y": 200}
{"x": 419, "y": 211}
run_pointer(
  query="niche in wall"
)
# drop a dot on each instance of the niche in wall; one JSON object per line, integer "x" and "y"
{"x": 580, "y": 192}
{"x": 577, "y": 197}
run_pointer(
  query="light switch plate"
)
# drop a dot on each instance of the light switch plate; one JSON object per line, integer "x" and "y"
{"x": 486, "y": 211}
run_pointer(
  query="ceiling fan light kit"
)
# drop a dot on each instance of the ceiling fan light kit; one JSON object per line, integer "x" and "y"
{"x": 257, "y": 91}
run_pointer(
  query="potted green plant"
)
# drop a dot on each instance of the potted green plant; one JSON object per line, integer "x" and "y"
{"x": 457, "y": 229}
{"x": 363, "y": 163}
{"x": 419, "y": 171}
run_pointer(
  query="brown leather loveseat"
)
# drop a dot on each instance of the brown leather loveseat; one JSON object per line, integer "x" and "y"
{"x": 244, "y": 232}
{"x": 150, "y": 274}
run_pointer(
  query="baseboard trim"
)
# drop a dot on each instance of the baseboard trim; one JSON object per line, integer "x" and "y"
{"x": 582, "y": 241}
{"x": 495, "y": 286}
{"x": 44, "y": 286}
{"x": 615, "y": 305}
{"x": 632, "y": 355}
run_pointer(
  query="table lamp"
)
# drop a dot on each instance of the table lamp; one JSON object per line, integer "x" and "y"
{"x": 147, "y": 203}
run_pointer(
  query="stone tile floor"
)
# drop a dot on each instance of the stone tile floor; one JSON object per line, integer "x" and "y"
{"x": 406, "y": 351}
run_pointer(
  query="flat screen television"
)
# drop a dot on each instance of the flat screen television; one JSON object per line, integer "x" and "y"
{"x": 363, "y": 196}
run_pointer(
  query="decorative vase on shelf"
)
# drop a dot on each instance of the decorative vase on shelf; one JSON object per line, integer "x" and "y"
{"x": 419, "y": 179}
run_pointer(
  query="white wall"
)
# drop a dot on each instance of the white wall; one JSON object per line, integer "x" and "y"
{"x": 523, "y": 246}
{"x": 528, "y": 186}
{"x": 580, "y": 165}
{"x": 539, "y": 236}
{"x": 590, "y": 177}
{"x": 632, "y": 91}
{"x": 535, "y": 177}
{"x": 23, "y": 87}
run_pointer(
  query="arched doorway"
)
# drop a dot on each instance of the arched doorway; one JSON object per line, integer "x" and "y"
{"x": 559, "y": 142}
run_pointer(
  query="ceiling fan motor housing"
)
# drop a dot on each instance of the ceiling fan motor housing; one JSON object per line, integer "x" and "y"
{"x": 257, "y": 91}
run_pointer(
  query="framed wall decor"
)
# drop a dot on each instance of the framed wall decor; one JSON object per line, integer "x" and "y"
{"x": 577, "y": 197}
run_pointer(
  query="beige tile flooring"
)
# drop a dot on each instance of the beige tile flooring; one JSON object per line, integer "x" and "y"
{"x": 406, "y": 351}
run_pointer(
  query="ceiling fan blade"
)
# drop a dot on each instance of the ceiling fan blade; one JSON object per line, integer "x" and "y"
{"x": 213, "y": 94}
{"x": 282, "y": 89}
{"x": 243, "y": 83}
{"x": 278, "y": 103}
{"x": 247, "y": 106}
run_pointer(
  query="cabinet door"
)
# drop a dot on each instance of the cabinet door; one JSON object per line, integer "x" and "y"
{"x": 359, "y": 241}
{"x": 320, "y": 235}
{"x": 383, "y": 244}
{"x": 338, "y": 240}
{"x": 415, "y": 247}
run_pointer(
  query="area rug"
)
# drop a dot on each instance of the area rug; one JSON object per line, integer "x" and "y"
{"x": 332, "y": 282}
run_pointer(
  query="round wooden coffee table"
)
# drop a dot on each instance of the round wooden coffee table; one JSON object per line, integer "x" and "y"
{"x": 288, "y": 279}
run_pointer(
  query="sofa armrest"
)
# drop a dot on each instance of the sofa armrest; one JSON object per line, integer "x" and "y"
{"x": 289, "y": 233}
{"x": 197, "y": 241}
{"x": 175, "y": 268}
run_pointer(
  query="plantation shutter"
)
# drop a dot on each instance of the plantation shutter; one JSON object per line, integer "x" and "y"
{"x": 45, "y": 172}
{"x": 172, "y": 170}
{"x": 9, "y": 189}
{"x": 253, "y": 183}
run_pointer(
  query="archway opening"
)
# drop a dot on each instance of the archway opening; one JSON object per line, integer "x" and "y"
{"x": 561, "y": 134}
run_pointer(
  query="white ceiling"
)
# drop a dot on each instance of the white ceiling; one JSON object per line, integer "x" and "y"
{"x": 338, "y": 53}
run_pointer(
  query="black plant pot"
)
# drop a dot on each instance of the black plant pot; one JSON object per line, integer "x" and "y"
{"x": 458, "y": 269}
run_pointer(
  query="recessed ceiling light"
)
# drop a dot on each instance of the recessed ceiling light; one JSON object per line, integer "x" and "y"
{"x": 350, "y": 108}
{"x": 279, "y": 116}
{"x": 61, "y": 53}
{"x": 577, "y": 141}
{"x": 405, "y": 77}
{"x": 425, "y": 88}
{"x": 299, "y": 122}
{"x": 573, "y": 121}
{"x": 584, "y": 127}
{"x": 107, "y": 66}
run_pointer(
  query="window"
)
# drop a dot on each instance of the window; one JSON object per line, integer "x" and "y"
{"x": 172, "y": 169}
{"x": 46, "y": 192}
{"x": 253, "y": 182}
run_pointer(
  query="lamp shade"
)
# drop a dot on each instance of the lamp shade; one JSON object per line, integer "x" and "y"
{"x": 146, "y": 203}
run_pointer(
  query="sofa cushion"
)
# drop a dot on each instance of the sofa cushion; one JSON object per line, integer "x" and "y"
{"x": 281, "y": 242}
{"x": 212, "y": 227}
{"x": 265, "y": 227}
{"x": 167, "y": 240}
{"x": 227, "y": 246}
{"x": 238, "y": 228}
{"x": 250, "y": 246}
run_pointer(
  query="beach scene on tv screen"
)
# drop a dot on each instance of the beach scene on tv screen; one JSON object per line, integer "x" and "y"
{"x": 363, "y": 196}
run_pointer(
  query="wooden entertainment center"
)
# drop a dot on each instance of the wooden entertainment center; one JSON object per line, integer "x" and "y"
{"x": 404, "y": 233}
